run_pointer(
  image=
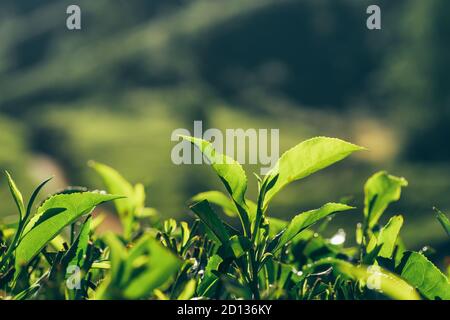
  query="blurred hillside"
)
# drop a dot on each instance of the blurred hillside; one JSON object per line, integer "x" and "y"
{"x": 138, "y": 69}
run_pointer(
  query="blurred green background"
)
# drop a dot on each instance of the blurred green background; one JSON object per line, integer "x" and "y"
{"x": 139, "y": 69}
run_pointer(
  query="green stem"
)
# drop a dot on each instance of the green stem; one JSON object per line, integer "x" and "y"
{"x": 12, "y": 246}
{"x": 254, "y": 285}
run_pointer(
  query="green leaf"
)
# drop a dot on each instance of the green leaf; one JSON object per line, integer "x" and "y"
{"x": 305, "y": 159}
{"x": 77, "y": 252}
{"x": 276, "y": 226}
{"x": 17, "y": 195}
{"x": 372, "y": 250}
{"x": 210, "y": 278}
{"x": 134, "y": 274}
{"x": 24, "y": 216}
{"x": 425, "y": 276}
{"x": 158, "y": 264}
{"x": 118, "y": 257}
{"x": 375, "y": 278}
{"x": 229, "y": 208}
{"x": 116, "y": 184}
{"x": 207, "y": 215}
{"x": 28, "y": 292}
{"x": 232, "y": 176}
{"x": 185, "y": 233}
{"x": 33, "y": 198}
{"x": 239, "y": 245}
{"x": 304, "y": 220}
{"x": 443, "y": 220}
{"x": 132, "y": 205}
{"x": 220, "y": 199}
{"x": 52, "y": 216}
{"x": 380, "y": 190}
{"x": 284, "y": 273}
{"x": 388, "y": 237}
{"x": 188, "y": 290}
{"x": 139, "y": 199}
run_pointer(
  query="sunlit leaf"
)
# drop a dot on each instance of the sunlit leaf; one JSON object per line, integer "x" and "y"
{"x": 220, "y": 199}
{"x": 188, "y": 290}
{"x": 304, "y": 159}
{"x": 135, "y": 273}
{"x": 375, "y": 278}
{"x": 17, "y": 195}
{"x": 387, "y": 238}
{"x": 77, "y": 252}
{"x": 425, "y": 276}
{"x": 380, "y": 190}
{"x": 306, "y": 219}
{"x": 231, "y": 174}
{"x": 52, "y": 216}
{"x": 210, "y": 278}
{"x": 443, "y": 220}
{"x": 116, "y": 184}
{"x": 276, "y": 226}
{"x": 206, "y": 214}
{"x": 160, "y": 265}
{"x": 239, "y": 245}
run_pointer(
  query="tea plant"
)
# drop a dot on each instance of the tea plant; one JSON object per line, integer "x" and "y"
{"x": 55, "y": 251}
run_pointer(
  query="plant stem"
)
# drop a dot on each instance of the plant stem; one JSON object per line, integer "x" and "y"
{"x": 254, "y": 285}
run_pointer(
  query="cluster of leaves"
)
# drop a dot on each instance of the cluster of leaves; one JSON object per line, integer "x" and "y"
{"x": 57, "y": 253}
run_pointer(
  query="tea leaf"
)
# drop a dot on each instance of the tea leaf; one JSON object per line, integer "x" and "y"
{"x": 134, "y": 202}
{"x": 118, "y": 257}
{"x": 443, "y": 220}
{"x": 159, "y": 264}
{"x": 425, "y": 276}
{"x": 380, "y": 190}
{"x": 306, "y": 219}
{"x": 239, "y": 245}
{"x": 76, "y": 253}
{"x": 375, "y": 278}
{"x": 17, "y": 195}
{"x": 231, "y": 174}
{"x": 116, "y": 184}
{"x": 52, "y": 216}
{"x": 188, "y": 290}
{"x": 203, "y": 210}
{"x": 388, "y": 237}
{"x": 134, "y": 274}
{"x": 220, "y": 199}
{"x": 305, "y": 159}
{"x": 210, "y": 278}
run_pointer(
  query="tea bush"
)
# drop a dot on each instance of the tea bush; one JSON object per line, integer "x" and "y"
{"x": 55, "y": 251}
